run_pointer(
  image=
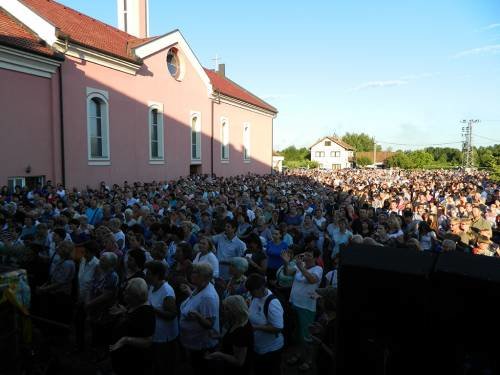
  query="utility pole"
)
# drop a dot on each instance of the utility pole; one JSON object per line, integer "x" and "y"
{"x": 467, "y": 156}
{"x": 374, "y": 151}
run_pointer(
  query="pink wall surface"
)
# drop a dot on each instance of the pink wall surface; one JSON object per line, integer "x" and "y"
{"x": 29, "y": 126}
{"x": 128, "y": 117}
{"x": 261, "y": 135}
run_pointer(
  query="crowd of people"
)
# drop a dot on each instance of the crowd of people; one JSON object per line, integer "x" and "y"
{"x": 226, "y": 274}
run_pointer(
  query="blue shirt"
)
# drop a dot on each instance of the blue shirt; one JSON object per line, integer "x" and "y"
{"x": 274, "y": 251}
{"x": 94, "y": 215}
{"x": 227, "y": 249}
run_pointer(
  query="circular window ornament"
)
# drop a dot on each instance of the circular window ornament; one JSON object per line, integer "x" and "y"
{"x": 173, "y": 63}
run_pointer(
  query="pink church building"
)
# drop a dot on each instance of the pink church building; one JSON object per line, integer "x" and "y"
{"x": 84, "y": 102}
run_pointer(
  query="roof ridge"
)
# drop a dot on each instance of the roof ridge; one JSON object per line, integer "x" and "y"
{"x": 132, "y": 37}
{"x": 271, "y": 107}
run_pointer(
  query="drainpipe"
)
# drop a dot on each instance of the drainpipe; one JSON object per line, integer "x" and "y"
{"x": 212, "y": 143}
{"x": 61, "y": 123}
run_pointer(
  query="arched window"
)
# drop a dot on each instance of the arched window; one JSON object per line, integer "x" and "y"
{"x": 246, "y": 141}
{"x": 98, "y": 126}
{"x": 195, "y": 136}
{"x": 224, "y": 154}
{"x": 156, "y": 152}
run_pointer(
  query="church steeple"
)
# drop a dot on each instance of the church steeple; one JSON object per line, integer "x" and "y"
{"x": 133, "y": 17}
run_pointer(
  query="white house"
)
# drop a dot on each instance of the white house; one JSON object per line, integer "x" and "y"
{"x": 332, "y": 153}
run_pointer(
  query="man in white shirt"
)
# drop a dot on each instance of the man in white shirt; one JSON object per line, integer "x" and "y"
{"x": 266, "y": 317}
{"x": 162, "y": 298}
{"x": 228, "y": 246}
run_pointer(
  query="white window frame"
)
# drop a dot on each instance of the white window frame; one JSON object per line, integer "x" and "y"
{"x": 247, "y": 137}
{"x": 335, "y": 154}
{"x": 160, "y": 159}
{"x": 104, "y": 97}
{"x": 15, "y": 180}
{"x": 224, "y": 139}
{"x": 196, "y": 160}
{"x": 329, "y": 143}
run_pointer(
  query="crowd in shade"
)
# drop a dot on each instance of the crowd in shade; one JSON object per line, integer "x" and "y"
{"x": 226, "y": 275}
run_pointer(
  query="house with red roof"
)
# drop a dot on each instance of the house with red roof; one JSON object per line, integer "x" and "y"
{"x": 84, "y": 102}
{"x": 332, "y": 153}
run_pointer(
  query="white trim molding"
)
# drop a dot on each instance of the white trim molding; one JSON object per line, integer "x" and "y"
{"x": 99, "y": 58}
{"x": 160, "y": 159}
{"x": 192, "y": 115}
{"x": 225, "y": 132}
{"x": 156, "y": 162}
{"x": 247, "y": 142}
{"x": 24, "y": 62}
{"x": 30, "y": 19}
{"x": 103, "y": 96}
{"x": 169, "y": 40}
{"x": 242, "y": 104}
{"x": 99, "y": 163}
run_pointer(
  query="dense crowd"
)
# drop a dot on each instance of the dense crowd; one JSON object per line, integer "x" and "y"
{"x": 226, "y": 273}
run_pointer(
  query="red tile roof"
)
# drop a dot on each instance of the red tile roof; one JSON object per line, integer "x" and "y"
{"x": 227, "y": 87}
{"x": 89, "y": 32}
{"x": 14, "y": 34}
{"x": 336, "y": 140}
{"x": 84, "y": 30}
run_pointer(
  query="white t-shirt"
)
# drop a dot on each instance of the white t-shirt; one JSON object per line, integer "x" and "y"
{"x": 193, "y": 335}
{"x": 302, "y": 291}
{"x": 265, "y": 342}
{"x": 165, "y": 330}
{"x": 209, "y": 258}
{"x": 331, "y": 278}
{"x": 86, "y": 273}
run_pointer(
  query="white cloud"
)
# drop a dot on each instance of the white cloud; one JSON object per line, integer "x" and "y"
{"x": 486, "y": 50}
{"x": 379, "y": 84}
{"x": 490, "y": 27}
{"x": 413, "y": 77}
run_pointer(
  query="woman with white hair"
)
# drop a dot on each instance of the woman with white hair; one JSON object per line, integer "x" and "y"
{"x": 236, "y": 284}
{"x": 237, "y": 337}
{"x": 131, "y": 351}
{"x": 199, "y": 317}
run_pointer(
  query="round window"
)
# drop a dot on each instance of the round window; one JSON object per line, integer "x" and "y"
{"x": 173, "y": 63}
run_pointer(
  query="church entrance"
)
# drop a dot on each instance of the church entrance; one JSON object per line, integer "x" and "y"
{"x": 195, "y": 169}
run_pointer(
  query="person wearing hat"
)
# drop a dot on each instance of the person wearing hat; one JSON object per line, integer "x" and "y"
{"x": 466, "y": 235}
{"x": 483, "y": 247}
{"x": 478, "y": 222}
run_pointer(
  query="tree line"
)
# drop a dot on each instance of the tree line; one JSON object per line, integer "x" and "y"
{"x": 430, "y": 157}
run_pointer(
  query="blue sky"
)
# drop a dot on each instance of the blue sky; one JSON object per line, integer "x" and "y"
{"x": 405, "y": 72}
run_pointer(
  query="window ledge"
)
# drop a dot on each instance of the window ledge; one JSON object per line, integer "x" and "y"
{"x": 99, "y": 162}
{"x": 195, "y": 162}
{"x": 224, "y": 161}
{"x": 247, "y": 161}
{"x": 156, "y": 162}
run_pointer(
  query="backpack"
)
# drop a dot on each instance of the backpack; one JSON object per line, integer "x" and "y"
{"x": 287, "y": 323}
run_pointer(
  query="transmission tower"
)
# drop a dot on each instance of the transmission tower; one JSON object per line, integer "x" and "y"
{"x": 467, "y": 157}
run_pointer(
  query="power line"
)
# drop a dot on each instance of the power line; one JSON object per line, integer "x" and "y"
{"x": 419, "y": 145}
{"x": 489, "y": 139}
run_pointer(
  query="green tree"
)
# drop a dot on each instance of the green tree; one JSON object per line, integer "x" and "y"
{"x": 399, "y": 160}
{"x": 363, "y": 161}
{"x": 420, "y": 159}
{"x": 360, "y": 141}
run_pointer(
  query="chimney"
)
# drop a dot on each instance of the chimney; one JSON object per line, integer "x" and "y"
{"x": 133, "y": 17}
{"x": 222, "y": 70}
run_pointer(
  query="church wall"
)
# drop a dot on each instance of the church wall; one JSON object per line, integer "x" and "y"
{"x": 29, "y": 126}
{"x": 129, "y": 98}
{"x": 261, "y": 135}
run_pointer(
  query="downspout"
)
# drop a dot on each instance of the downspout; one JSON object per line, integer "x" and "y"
{"x": 216, "y": 97}
{"x": 61, "y": 124}
{"x": 212, "y": 142}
